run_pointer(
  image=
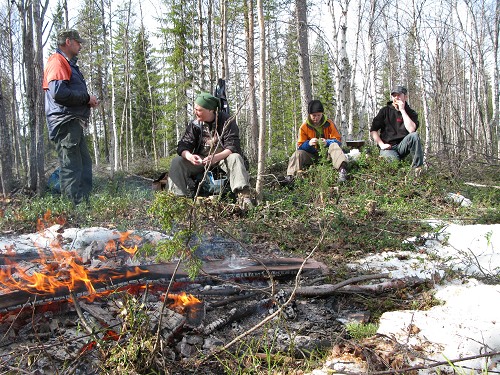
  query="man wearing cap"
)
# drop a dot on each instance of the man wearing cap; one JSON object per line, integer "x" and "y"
{"x": 67, "y": 108}
{"x": 317, "y": 131}
{"x": 394, "y": 130}
{"x": 211, "y": 139}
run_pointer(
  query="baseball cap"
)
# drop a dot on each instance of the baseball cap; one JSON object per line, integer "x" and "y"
{"x": 399, "y": 90}
{"x": 70, "y": 34}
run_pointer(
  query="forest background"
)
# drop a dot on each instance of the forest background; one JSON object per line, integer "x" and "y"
{"x": 148, "y": 64}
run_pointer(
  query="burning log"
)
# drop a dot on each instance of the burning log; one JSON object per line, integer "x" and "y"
{"x": 89, "y": 282}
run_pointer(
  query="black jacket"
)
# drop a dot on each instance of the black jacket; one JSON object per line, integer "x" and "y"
{"x": 192, "y": 139}
{"x": 390, "y": 123}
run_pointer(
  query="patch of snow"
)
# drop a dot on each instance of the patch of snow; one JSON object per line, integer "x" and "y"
{"x": 467, "y": 323}
{"x": 71, "y": 238}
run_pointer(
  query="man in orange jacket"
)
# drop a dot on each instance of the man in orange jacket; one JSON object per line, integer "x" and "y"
{"x": 315, "y": 132}
{"x": 67, "y": 107}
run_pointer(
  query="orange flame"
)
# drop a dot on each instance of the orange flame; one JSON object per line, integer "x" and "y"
{"x": 130, "y": 250}
{"x": 183, "y": 300}
{"x": 64, "y": 270}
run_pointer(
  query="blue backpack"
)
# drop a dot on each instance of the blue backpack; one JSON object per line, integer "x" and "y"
{"x": 54, "y": 183}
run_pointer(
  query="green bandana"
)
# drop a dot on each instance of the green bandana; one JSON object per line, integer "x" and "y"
{"x": 207, "y": 101}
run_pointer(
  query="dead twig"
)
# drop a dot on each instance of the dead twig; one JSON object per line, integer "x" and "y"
{"x": 480, "y": 185}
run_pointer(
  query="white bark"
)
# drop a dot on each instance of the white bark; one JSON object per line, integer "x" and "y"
{"x": 303, "y": 50}
{"x": 262, "y": 77}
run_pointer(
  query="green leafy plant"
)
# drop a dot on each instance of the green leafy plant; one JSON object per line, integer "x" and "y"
{"x": 360, "y": 331}
{"x": 177, "y": 215}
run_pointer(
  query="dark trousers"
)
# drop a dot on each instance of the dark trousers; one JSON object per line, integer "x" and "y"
{"x": 75, "y": 161}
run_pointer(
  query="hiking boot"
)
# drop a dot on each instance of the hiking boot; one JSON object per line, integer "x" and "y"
{"x": 287, "y": 181}
{"x": 244, "y": 199}
{"x": 417, "y": 172}
{"x": 342, "y": 175}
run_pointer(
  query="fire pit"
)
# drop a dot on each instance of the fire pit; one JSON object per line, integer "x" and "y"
{"x": 93, "y": 282}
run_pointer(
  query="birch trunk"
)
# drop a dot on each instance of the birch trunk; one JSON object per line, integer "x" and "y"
{"x": 150, "y": 93}
{"x": 223, "y": 27}
{"x": 115, "y": 144}
{"x": 38, "y": 14}
{"x": 201, "y": 49}
{"x": 19, "y": 156}
{"x": 343, "y": 64}
{"x": 262, "y": 91}
{"x": 253, "y": 134}
{"x": 303, "y": 51}
{"x": 5, "y": 150}
{"x": 352, "y": 90}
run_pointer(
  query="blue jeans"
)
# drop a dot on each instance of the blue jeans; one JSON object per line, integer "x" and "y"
{"x": 409, "y": 145}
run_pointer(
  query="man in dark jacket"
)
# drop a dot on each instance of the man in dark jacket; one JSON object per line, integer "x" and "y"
{"x": 394, "y": 130}
{"x": 67, "y": 107}
{"x": 209, "y": 140}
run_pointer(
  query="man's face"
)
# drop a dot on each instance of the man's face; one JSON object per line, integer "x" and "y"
{"x": 397, "y": 96}
{"x": 73, "y": 47}
{"x": 203, "y": 114}
{"x": 316, "y": 117}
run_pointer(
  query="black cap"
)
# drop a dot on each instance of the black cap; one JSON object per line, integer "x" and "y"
{"x": 399, "y": 90}
{"x": 315, "y": 106}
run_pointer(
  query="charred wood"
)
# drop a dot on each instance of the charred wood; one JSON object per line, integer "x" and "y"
{"x": 345, "y": 287}
{"x": 237, "y": 314}
{"x": 230, "y": 300}
{"x": 112, "y": 278}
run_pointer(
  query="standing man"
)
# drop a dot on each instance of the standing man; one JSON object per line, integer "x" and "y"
{"x": 315, "y": 132}
{"x": 394, "y": 130}
{"x": 67, "y": 107}
{"x": 211, "y": 139}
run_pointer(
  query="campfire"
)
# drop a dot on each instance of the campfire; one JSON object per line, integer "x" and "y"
{"x": 63, "y": 284}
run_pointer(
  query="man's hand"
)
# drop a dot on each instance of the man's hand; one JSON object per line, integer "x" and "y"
{"x": 192, "y": 158}
{"x": 400, "y": 104}
{"x": 93, "y": 101}
{"x": 385, "y": 146}
{"x": 211, "y": 159}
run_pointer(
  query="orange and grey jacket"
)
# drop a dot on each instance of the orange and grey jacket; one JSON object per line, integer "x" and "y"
{"x": 326, "y": 130}
{"x": 66, "y": 95}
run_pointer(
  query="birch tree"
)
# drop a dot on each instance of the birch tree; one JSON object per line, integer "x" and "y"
{"x": 30, "y": 15}
{"x": 5, "y": 149}
{"x": 262, "y": 77}
{"x": 303, "y": 54}
{"x": 253, "y": 134}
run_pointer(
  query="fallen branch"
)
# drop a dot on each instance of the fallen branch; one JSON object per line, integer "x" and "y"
{"x": 480, "y": 185}
{"x": 328, "y": 289}
{"x": 436, "y": 364}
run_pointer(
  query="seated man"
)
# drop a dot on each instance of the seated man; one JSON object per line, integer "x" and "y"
{"x": 394, "y": 130}
{"x": 317, "y": 131}
{"x": 209, "y": 140}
